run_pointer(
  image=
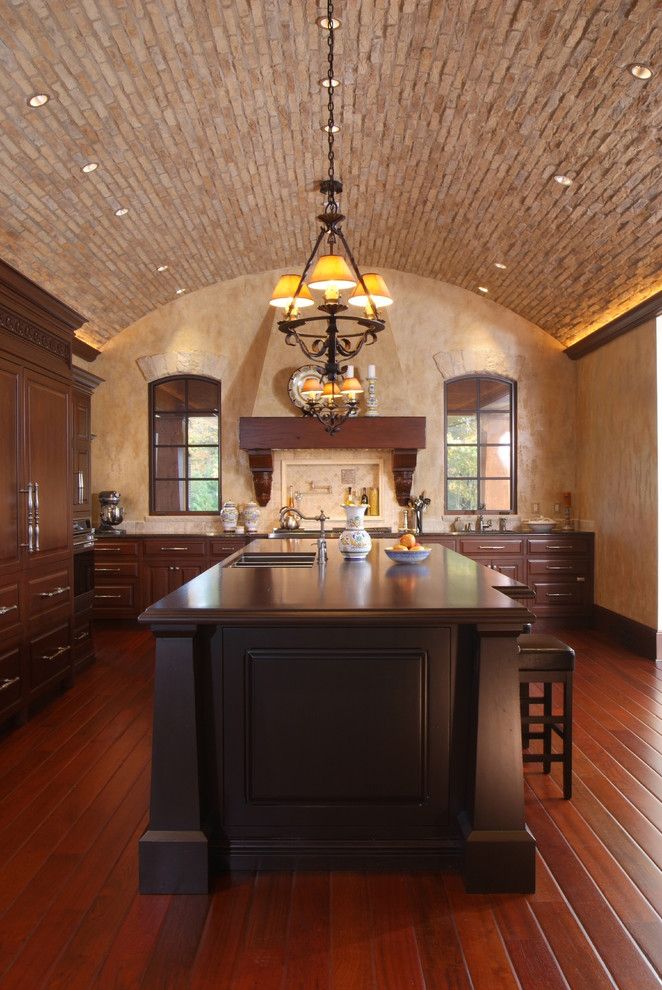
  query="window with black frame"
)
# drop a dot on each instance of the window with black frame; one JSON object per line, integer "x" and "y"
{"x": 185, "y": 441}
{"x": 480, "y": 468}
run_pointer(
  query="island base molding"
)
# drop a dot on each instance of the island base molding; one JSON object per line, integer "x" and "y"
{"x": 499, "y": 862}
{"x": 173, "y": 862}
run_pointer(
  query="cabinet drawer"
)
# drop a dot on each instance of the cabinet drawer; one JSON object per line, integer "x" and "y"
{"x": 50, "y": 655}
{"x": 48, "y": 592}
{"x": 559, "y": 595}
{"x": 489, "y": 545}
{"x": 9, "y": 606}
{"x": 83, "y": 641}
{"x": 558, "y": 566}
{"x": 173, "y": 547}
{"x": 112, "y": 596}
{"x": 110, "y": 570}
{"x": 10, "y": 677}
{"x": 442, "y": 541}
{"x": 225, "y": 547}
{"x": 122, "y": 548}
{"x": 542, "y": 546}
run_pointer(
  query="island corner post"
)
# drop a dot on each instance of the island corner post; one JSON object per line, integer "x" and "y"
{"x": 379, "y": 738}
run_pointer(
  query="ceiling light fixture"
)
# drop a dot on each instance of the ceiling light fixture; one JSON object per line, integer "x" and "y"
{"x": 499, "y": 264}
{"x": 333, "y": 397}
{"x": 483, "y": 289}
{"x": 563, "y": 180}
{"x": 162, "y": 268}
{"x": 329, "y": 83}
{"x": 641, "y": 71}
{"x": 179, "y": 291}
{"x": 38, "y": 100}
{"x": 122, "y": 212}
{"x": 90, "y": 167}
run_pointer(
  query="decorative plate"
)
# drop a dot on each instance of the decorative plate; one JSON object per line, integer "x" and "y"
{"x": 296, "y": 381}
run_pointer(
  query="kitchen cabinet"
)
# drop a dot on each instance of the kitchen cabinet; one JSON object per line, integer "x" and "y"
{"x": 36, "y": 573}
{"x": 159, "y": 579}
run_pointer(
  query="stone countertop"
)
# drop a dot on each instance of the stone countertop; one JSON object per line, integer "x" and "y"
{"x": 335, "y": 532}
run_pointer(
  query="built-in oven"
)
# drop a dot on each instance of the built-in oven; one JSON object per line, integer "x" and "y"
{"x": 83, "y": 563}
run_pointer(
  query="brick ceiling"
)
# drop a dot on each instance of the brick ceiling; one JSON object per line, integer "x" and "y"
{"x": 204, "y": 117}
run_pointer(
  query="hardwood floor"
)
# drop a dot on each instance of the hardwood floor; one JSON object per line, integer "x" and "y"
{"x": 73, "y": 802}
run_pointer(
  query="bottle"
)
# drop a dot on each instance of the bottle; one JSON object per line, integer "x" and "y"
{"x": 290, "y": 498}
{"x": 349, "y": 500}
{"x": 374, "y": 501}
{"x": 364, "y": 501}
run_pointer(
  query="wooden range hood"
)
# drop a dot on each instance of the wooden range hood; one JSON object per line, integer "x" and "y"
{"x": 259, "y": 436}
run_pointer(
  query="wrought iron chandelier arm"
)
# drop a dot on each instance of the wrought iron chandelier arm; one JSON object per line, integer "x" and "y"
{"x": 357, "y": 272}
{"x": 306, "y": 267}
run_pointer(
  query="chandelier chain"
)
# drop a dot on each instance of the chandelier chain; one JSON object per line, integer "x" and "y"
{"x": 331, "y": 204}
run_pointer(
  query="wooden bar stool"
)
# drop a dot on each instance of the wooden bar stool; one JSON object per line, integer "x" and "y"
{"x": 546, "y": 660}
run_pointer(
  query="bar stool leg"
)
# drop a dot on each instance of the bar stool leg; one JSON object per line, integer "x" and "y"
{"x": 524, "y": 711}
{"x": 567, "y": 736}
{"x": 547, "y": 728}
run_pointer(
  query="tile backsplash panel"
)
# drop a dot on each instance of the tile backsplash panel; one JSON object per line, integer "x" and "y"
{"x": 322, "y": 484}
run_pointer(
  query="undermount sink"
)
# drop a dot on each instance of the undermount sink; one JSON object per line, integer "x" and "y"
{"x": 295, "y": 559}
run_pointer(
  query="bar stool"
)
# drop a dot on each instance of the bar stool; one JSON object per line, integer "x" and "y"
{"x": 546, "y": 660}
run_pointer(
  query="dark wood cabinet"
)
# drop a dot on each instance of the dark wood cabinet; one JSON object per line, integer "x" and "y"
{"x": 36, "y": 573}
{"x": 159, "y": 578}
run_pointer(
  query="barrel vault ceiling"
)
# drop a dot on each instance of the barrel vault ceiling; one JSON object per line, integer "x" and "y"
{"x": 204, "y": 117}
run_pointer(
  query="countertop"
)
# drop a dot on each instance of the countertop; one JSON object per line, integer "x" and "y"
{"x": 446, "y": 587}
{"x": 335, "y": 532}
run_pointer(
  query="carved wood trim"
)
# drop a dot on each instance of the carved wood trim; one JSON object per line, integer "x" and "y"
{"x": 404, "y": 465}
{"x": 33, "y": 334}
{"x": 261, "y": 463}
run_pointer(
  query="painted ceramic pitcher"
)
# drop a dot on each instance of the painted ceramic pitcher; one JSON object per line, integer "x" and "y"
{"x": 355, "y": 540}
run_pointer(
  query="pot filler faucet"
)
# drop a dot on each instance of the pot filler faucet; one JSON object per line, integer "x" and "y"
{"x": 322, "y": 554}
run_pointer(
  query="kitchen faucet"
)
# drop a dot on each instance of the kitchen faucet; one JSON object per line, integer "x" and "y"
{"x": 322, "y": 554}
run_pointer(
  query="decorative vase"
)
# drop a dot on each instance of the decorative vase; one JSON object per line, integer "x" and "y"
{"x": 251, "y": 517}
{"x": 229, "y": 516}
{"x": 355, "y": 540}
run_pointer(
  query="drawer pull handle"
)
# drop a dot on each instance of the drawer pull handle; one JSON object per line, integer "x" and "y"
{"x": 173, "y": 548}
{"x": 60, "y": 590}
{"x": 559, "y": 567}
{"x": 107, "y": 570}
{"x": 492, "y": 546}
{"x": 58, "y": 653}
{"x": 7, "y": 608}
{"x": 107, "y": 596}
{"x": 81, "y": 636}
{"x": 108, "y": 549}
{"x": 173, "y": 568}
{"x": 559, "y": 594}
{"x": 558, "y": 546}
{"x": 8, "y": 682}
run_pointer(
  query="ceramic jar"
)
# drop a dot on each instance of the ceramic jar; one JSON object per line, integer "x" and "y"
{"x": 229, "y": 516}
{"x": 355, "y": 540}
{"x": 251, "y": 517}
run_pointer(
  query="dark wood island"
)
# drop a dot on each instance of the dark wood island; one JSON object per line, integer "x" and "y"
{"x": 342, "y": 715}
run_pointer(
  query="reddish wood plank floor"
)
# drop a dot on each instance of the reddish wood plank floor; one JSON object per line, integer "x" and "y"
{"x": 73, "y": 801}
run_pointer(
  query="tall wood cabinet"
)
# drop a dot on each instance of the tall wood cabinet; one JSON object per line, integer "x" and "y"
{"x": 36, "y": 572}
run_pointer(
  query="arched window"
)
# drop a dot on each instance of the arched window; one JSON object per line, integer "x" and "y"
{"x": 185, "y": 445}
{"x": 480, "y": 469}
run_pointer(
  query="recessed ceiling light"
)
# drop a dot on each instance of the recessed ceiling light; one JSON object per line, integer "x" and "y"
{"x": 329, "y": 84}
{"x": 640, "y": 71}
{"x": 38, "y": 100}
{"x": 499, "y": 264}
{"x": 179, "y": 291}
{"x": 333, "y": 129}
{"x": 90, "y": 167}
{"x": 162, "y": 268}
{"x": 481, "y": 288}
{"x": 323, "y": 22}
{"x": 563, "y": 180}
{"x": 123, "y": 210}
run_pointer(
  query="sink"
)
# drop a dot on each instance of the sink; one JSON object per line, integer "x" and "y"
{"x": 295, "y": 559}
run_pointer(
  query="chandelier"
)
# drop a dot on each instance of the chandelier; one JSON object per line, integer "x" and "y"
{"x": 334, "y": 337}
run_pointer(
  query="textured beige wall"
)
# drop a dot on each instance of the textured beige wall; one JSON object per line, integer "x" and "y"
{"x": 434, "y": 331}
{"x": 617, "y": 470}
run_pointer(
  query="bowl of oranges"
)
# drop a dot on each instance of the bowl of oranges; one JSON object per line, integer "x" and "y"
{"x": 408, "y": 550}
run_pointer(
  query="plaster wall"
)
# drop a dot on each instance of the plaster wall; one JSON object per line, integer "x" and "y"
{"x": 434, "y": 331}
{"x": 617, "y": 470}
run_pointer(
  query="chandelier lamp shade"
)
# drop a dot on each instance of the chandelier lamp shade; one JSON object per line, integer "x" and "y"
{"x": 330, "y": 334}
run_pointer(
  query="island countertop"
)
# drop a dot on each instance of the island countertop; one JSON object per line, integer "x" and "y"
{"x": 447, "y": 585}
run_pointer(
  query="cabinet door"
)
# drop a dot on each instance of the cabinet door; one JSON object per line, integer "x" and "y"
{"x": 48, "y": 460}
{"x": 14, "y": 507}
{"x": 81, "y": 453}
{"x": 156, "y": 582}
{"x": 181, "y": 573}
{"x": 511, "y": 568}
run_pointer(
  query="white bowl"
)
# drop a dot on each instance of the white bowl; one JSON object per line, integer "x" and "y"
{"x": 541, "y": 527}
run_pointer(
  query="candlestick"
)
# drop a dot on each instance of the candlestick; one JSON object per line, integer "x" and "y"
{"x": 372, "y": 372}
{"x": 371, "y": 395}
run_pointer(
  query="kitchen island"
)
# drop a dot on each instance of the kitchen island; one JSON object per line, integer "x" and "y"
{"x": 342, "y": 715}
